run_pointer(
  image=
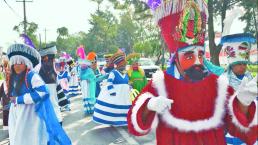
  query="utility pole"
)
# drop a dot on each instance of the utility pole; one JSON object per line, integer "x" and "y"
{"x": 24, "y": 15}
{"x": 45, "y": 30}
{"x": 40, "y": 41}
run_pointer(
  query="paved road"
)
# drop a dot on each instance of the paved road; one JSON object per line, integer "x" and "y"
{"x": 83, "y": 131}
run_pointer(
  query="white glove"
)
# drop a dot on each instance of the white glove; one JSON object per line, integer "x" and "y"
{"x": 159, "y": 104}
{"x": 247, "y": 91}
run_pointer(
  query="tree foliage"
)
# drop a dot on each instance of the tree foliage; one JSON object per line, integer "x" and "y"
{"x": 218, "y": 9}
{"x": 126, "y": 32}
{"x": 146, "y": 38}
{"x": 250, "y": 16}
{"x": 31, "y": 31}
{"x": 62, "y": 32}
{"x": 101, "y": 37}
{"x": 134, "y": 29}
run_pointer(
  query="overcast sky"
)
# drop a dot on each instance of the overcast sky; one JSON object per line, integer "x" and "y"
{"x": 51, "y": 14}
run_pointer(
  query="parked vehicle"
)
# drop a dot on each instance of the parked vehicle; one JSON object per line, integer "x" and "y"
{"x": 148, "y": 66}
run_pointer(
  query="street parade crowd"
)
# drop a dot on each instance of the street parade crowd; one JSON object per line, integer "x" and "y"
{"x": 192, "y": 102}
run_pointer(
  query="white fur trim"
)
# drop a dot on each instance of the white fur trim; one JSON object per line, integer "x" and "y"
{"x": 200, "y": 125}
{"x": 159, "y": 84}
{"x": 138, "y": 105}
{"x": 19, "y": 59}
{"x": 235, "y": 120}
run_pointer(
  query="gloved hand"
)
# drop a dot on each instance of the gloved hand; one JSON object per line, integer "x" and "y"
{"x": 159, "y": 104}
{"x": 247, "y": 91}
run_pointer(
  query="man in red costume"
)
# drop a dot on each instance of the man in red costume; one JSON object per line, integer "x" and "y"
{"x": 186, "y": 104}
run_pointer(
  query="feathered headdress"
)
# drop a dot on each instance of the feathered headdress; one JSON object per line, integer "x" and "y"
{"x": 80, "y": 52}
{"x": 49, "y": 50}
{"x": 26, "y": 40}
{"x": 237, "y": 46}
{"x": 182, "y": 22}
{"x": 23, "y": 52}
{"x": 133, "y": 57}
{"x": 65, "y": 57}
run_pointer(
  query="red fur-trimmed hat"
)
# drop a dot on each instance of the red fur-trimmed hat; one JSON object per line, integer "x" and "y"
{"x": 182, "y": 22}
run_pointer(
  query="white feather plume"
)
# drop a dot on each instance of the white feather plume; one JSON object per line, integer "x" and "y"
{"x": 228, "y": 21}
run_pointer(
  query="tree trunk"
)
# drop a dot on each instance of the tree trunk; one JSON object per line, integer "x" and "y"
{"x": 214, "y": 51}
{"x": 223, "y": 12}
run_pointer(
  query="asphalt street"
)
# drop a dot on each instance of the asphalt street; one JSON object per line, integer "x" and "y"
{"x": 83, "y": 131}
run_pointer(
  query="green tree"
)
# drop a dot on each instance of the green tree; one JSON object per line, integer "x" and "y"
{"x": 70, "y": 43}
{"x": 147, "y": 38}
{"x": 62, "y": 32}
{"x": 126, "y": 32}
{"x": 218, "y": 9}
{"x": 31, "y": 31}
{"x": 250, "y": 16}
{"x": 101, "y": 37}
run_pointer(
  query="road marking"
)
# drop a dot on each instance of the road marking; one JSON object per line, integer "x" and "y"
{"x": 127, "y": 137}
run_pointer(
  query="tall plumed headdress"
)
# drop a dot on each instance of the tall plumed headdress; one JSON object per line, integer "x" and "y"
{"x": 182, "y": 22}
{"x": 237, "y": 46}
{"x": 24, "y": 53}
{"x": 65, "y": 57}
{"x": 80, "y": 52}
{"x": 26, "y": 40}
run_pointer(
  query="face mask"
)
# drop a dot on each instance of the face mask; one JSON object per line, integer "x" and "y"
{"x": 191, "y": 62}
{"x": 237, "y": 51}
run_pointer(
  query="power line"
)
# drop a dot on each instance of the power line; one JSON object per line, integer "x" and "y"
{"x": 24, "y": 15}
{"x": 12, "y": 10}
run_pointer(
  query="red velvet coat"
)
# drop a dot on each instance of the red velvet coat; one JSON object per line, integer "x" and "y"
{"x": 200, "y": 115}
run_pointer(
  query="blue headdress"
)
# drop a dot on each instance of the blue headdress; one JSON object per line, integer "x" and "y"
{"x": 237, "y": 46}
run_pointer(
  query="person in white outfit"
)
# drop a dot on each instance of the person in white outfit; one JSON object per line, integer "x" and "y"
{"x": 48, "y": 74}
{"x": 32, "y": 120}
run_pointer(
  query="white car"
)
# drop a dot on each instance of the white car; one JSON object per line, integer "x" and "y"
{"x": 148, "y": 66}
